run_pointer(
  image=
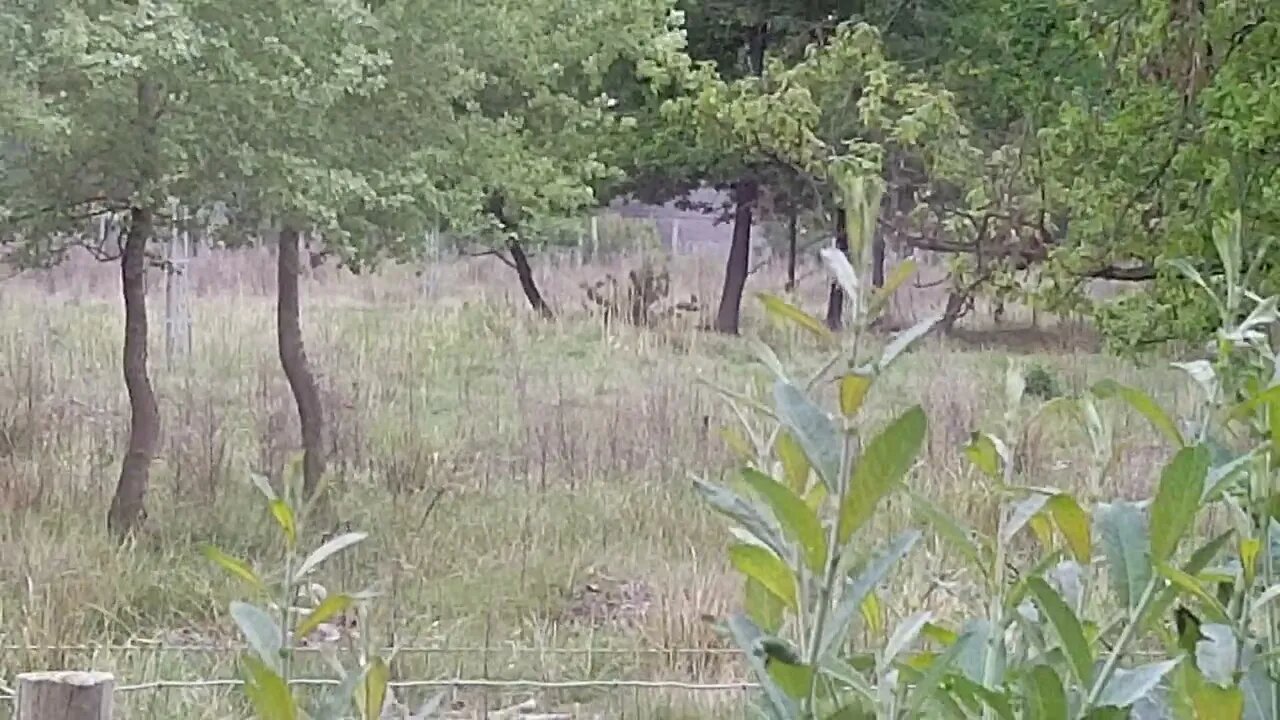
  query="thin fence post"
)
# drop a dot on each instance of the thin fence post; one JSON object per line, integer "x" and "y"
{"x": 65, "y": 695}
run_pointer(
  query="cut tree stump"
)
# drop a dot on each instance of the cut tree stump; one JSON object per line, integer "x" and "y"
{"x": 65, "y": 695}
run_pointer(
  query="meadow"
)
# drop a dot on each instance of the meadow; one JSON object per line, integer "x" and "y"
{"x": 526, "y": 484}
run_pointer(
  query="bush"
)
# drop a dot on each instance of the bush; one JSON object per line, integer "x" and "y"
{"x": 1184, "y": 626}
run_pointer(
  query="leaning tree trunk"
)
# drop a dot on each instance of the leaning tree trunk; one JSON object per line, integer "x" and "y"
{"x": 835, "y": 299}
{"x": 293, "y": 358}
{"x": 735, "y": 271}
{"x": 128, "y": 505}
{"x": 527, "y": 282}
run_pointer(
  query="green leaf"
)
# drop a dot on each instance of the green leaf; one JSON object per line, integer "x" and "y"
{"x": 325, "y": 551}
{"x": 884, "y": 462}
{"x": 1177, "y": 500}
{"x": 233, "y": 565}
{"x": 853, "y": 392}
{"x": 767, "y": 569}
{"x": 857, "y": 589}
{"x": 1122, "y": 533}
{"x": 1198, "y": 561}
{"x": 767, "y": 357}
{"x": 786, "y": 668}
{"x": 932, "y": 680}
{"x": 904, "y": 634}
{"x": 284, "y": 518}
{"x": 1073, "y": 523}
{"x": 780, "y": 308}
{"x": 744, "y": 512}
{"x": 1044, "y": 696}
{"x": 260, "y": 632}
{"x": 264, "y": 486}
{"x": 371, "y": 692}
{"x": 268, "y": 691}
{"x": 748, "y": 639}
{"x": 1210, "y": 702}
{"x": 763, "y": 607}
{"x": 900, "y": 274}
{"x": 812, "y": 428}
{"x": 904, "y": 340}
{"x": 983, "y": 453}
{"x": 1067, "y": 625}
{"x": 1191, "y": 586}
{"x": 325, "y": 611}
{"x": 798, "y": 521}
{"x": 1144, "y": 404}
{"x": 1127, "y": 687}
{"x": 956, "y": 536}
{"x": 1022, "y": 512}
{"x": 795, "y": 466}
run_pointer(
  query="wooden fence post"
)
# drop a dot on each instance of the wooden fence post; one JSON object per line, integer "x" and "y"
{"x": 64, "y": 695}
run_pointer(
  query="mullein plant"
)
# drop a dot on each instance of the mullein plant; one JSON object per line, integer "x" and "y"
{"x": 1123, "y": 610}
{"x": 272, "y": 630}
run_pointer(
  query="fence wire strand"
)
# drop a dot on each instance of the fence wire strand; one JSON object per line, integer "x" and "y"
{"x": 8, "y": 695}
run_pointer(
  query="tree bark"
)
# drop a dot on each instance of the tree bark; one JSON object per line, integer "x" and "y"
{"x": 293, "y": 358}
{"x": 877, "y": 260}
{"x": 527, "y": 282}
{"x": 792, "y": 232}
{"x": 835, "y": 299}
{"x": 735, "y": 271}
{"x": 128, "y": 506}
{"x": 745, "y": 193}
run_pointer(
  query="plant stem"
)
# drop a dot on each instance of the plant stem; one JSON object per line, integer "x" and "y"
{"x": 826, "y": 591}
{"x": 1126, "y": 636}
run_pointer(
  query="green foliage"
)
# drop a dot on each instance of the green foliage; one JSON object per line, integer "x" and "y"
{"x": 1044, "y": 642}
{"x": 273, "y": 630}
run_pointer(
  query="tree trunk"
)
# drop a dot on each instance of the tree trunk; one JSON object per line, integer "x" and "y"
{"x": 735, "y": 271}
{"x": 792, "y": 232}
{"x": 877, "y": 260}
{"x": 835, "y": 299}
{"x": 293, "y": 358}
{"x": 128, "y": 506}
{"x": 527, "y": 281}
{"x": 957, "y": 304}
{"x": 745, "y": 194}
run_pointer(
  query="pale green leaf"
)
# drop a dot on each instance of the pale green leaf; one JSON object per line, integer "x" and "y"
{"x": 325, "y": 551}
{"x": 260, "y": 631}
{"x": 1145, "y": 405}
{"x": 813, "y": 429}
{"x": 1128, "y": 686}
{"x": 1177, "y": 500}
{"x": 884, "y": 462}
{"x": 856, "y": 589}
{"x": 1122, "y": 533}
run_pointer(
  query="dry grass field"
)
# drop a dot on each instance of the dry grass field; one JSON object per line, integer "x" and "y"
{"x": 526, "y": 484}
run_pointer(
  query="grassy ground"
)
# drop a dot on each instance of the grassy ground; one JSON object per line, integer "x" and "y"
{"x": 563, "y": 451}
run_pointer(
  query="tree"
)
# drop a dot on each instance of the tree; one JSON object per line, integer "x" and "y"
{"x": 104, "y": 75}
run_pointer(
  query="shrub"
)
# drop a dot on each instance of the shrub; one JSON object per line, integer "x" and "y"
{"x": 1183, "y": 626}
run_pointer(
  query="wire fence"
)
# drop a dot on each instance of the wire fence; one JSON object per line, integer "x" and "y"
{"x": 458, "y": 682}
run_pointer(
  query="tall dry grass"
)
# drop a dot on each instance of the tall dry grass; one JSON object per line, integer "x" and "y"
{"x": 525, "y": 483}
